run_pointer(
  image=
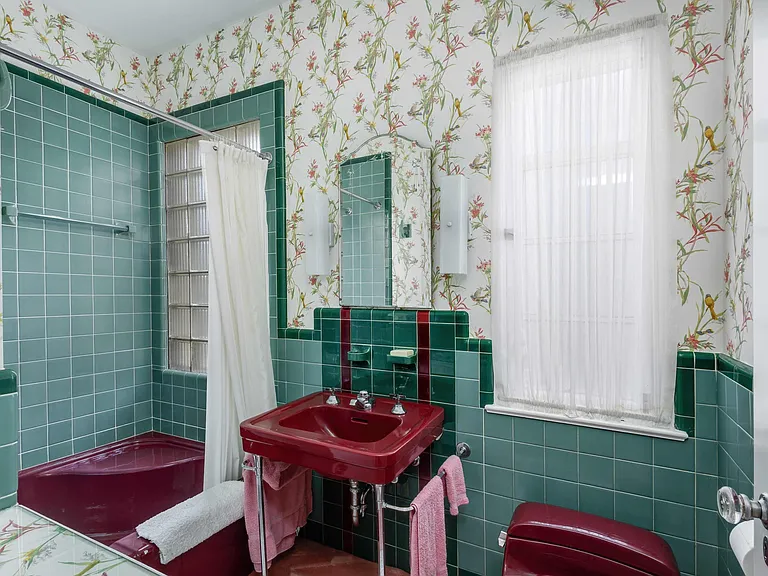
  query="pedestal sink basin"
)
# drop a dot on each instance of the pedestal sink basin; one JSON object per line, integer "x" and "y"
{"x": 342, "y": 441}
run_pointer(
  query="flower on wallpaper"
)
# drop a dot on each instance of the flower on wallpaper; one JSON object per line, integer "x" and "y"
{"x": 53, "y": 34}
{"x": 101, "y": 57}
{"x": 581, "y": 25}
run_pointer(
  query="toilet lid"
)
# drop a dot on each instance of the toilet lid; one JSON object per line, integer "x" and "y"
{"x": 613, "y": 540}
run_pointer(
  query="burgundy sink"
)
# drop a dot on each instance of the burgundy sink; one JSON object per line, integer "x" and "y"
{"x": 342, "y": 441}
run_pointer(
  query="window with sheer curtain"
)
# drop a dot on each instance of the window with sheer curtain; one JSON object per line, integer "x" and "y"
{"x": 583, "y": 251}
{"x": 187, "y": 247}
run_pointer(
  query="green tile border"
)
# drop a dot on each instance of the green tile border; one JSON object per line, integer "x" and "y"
{"x": 8, "y": 382}
{"x": 736, "y": 370}
{"x": 87, "y": 98}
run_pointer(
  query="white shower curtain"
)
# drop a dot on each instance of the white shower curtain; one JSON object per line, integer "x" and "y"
{"x": 240, "y": 379}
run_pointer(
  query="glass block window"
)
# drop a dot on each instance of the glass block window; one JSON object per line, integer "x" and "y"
{"x": 187, "y": 251}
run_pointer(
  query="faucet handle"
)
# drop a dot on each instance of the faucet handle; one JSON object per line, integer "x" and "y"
{"x": 332, "y": 400}
{"x": 398, "y": 409}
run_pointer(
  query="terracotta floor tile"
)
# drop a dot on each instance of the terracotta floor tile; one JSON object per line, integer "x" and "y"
{"x": 309, "y": 558}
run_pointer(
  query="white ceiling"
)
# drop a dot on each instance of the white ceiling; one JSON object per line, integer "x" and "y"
{"x": 152, "y": 27}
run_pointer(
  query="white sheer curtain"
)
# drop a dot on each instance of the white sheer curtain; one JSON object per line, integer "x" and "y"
{"x": 583, "y": 251}
{"x": 240, "y": 379}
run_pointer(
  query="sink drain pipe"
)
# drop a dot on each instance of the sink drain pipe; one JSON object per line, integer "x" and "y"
{"x": 358, "y": 501}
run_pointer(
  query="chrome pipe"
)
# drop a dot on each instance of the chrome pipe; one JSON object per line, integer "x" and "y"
{"x": 260, "y": 500}
{"x": 354, "y": 490}
{"x": 120, "y": 97}
{"x": 375, "y": 204}
{"x": 380, "y": 525}
{"x": 11, "y": 213}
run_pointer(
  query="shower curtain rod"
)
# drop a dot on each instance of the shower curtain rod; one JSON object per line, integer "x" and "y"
{"x": 120, "y": 97}
{"x": 376, "y": 205}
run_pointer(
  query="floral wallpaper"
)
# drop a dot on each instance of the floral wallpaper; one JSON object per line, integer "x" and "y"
{"x": 50, "y": 35}
{"x": 411, "y": 208}
{"x": 737, "y": 271}
{"x": 423, "y": 69}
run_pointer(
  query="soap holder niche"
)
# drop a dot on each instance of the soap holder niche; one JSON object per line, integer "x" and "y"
{"x": 359, "y": 354}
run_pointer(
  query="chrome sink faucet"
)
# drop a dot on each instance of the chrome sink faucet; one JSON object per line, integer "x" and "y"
{"x": 332, "y": 400}
{"x": 364, "y": 401}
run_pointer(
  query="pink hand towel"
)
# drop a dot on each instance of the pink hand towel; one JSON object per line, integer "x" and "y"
{"x": 428, "y": 552}
{"x": 287, "y": 504}
{"x": 455, "y": 488}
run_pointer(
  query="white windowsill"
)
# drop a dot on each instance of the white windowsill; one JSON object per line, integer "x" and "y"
{"x": 668, "y": 434}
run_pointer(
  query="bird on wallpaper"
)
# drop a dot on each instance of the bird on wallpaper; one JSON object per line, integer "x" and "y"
{"x": 416, "y": 109}
{"x": 258, "y": 48}
{"x": 345, "y": 17}
{"x": 397, "y": 58}
{"x": 124, "y": 77}
{"x": 300, "y": 86}
{"x": 346, "y": 130}
{"x": 301, "y": 193}
{"x": 527, "y": 20}
{"x": 479, "y": 163}
{"x": 480, "y": 295}
{"x": 9, "y": 21}
{"x": 709, "y": 134}
{"x": 709, "y": 302}
{"x": 457, "y": 105}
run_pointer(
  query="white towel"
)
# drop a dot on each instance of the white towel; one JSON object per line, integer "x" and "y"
{"x": 193, "y": 521}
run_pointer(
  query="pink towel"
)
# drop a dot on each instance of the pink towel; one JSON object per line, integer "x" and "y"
{"x": 455, "y": 489}
{"x": 428, "y": 553}
{"x": 287, "y": 504}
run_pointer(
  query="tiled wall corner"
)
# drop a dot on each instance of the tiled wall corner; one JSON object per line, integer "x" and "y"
{"x": 734, "y": 429}
{"x": 178, "y": 398}
{"x": 9, "y": 433}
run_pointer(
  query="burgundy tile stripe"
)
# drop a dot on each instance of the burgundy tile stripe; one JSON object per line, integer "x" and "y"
{"x": 346, "y": 344}
{"x": 424, "y": 394}
{"x": 422, "y": 320}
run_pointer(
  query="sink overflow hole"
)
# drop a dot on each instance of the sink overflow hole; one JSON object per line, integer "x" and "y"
{"x": 359, "y": 421}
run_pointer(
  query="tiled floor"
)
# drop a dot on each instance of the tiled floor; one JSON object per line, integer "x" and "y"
{"x": 31, "y": 544}
{"x": 309, "y": 558}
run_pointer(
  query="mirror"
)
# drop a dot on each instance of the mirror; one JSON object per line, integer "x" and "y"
{"x": 386, "y": 215}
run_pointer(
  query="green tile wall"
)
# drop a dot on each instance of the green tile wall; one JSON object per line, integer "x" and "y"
{"x": 178, "y": 398}
{"x": 9, "y": 433}
{"x": 662, "y": 485}
{"x": 76, "y": 300}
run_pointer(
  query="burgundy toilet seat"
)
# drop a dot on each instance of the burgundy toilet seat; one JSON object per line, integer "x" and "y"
{"x": 547, "y": 540}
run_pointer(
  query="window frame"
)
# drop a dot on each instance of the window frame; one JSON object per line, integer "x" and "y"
{"x": 185, "y": 165}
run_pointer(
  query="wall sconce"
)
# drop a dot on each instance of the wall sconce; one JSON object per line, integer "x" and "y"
{"x": 454, "y": 223}
{"x": 319, "y": 233}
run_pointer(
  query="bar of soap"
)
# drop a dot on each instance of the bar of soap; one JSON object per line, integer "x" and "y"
{"x": 402, "y": 353}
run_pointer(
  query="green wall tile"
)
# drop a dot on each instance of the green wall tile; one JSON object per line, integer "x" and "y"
{"x": 634, "y": 478}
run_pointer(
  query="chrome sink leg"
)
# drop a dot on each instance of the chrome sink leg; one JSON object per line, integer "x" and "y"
{"x": 380, "y": 524}
{"x": 260, "y": 500}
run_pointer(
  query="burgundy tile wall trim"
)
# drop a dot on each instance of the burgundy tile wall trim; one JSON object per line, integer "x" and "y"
{"x": 422, "y": 319}
{"x": 346, "y": 344}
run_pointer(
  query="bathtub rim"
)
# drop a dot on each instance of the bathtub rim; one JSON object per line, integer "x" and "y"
{"x": 59, "y": 465}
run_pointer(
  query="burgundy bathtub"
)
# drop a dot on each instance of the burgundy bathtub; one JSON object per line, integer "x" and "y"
{"x": 106, "y": 492}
